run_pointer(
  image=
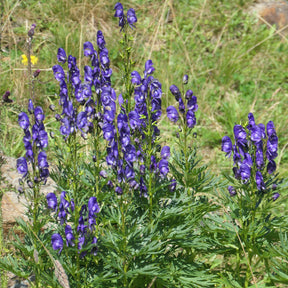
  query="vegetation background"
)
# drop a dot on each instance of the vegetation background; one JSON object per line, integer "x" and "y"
{"x": 235, "y": 64}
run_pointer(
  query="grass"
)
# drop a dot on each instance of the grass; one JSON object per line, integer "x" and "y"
{"x": 235, "y": 65}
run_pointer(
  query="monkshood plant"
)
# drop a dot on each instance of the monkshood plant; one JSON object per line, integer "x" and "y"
{"x": 249, "y": 202}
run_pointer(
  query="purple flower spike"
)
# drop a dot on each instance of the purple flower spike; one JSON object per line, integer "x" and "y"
{"x": 22, "y": 166}
{"x": 23, "y": 120}
{"x": 260, "y": 181}
{"x": 172, "y": 114}
{"x": 57, "y": 242}
{"x": 58, "y": 73}
{"x": 165, "y": 152}
{"x": 51, "y": 201}
{"x": 226, "y": 145}
{"x": 88, "y": 49}
{"x": 61, "y": 56}
{"x": 131, "y": 17}
{"x": 232, "y": 191}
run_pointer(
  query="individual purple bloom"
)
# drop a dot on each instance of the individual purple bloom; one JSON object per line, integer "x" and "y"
{"x": 256, "y": 134}
{"x": 236, "y": 173}
{"x": 81, "y": 225}
{"x": 149, "y": 69}
{"x": 22, "y": 166}
{"x": 30, "y": 106}
{"x": 189, "y": 94}
{"x": 51, "y": 201}
{"x": 191, "y": 119}
{"x": 172, "y": 186}
{"x": 100, "y": 40}
{"x": 88, "y": 74}
{"x": 69, "y": 236}
{"x": 23, "y": 120}
{"x": 275, "y": 196}
{"x": 63, "y": 200}
{"x": 181, "y": 106}
{"x": 57, "y": 242}
{"x": 175, "y": 92}
{"x": 93, "y": 205}
{"x": 185, "y": 79}
{"x": 163, "y": 167}
{"x": 36, "y": 73}
{"x": 251, "y": 121}
{"x": 165, "y": 152}
{"x": 42, "y": 140}
{"x": 39, "y": 114}
{"x": 172, "y": 114}
{"x": 259, "y": 160}
{"x": 245, "y": 171}
{"x": 240, "y": 135}
{"x": 232, "y": 191}
{"x": 226, "y": 146}
{"x": 42, "y": 160}
{"x": 129, "y": 173}
{"x": 119, "y": 190}
{"x": 130, "y": 153}
{"x": 5, "y": 97}
{"x": 236, "y": 155}
{"x": 61, "y": 56}
{"x": 103, "y": 174}
{"x": 82, "y": 122}
{"x": 260, "y": 181}
{"x": 192, "y": 103}
{"x": 131, "y": 17}
{"x": 272, "y": 143}
{"x": 262, "y": 128}
{"x": 118, "y": 10}
{"x": 104, "y": 59}
{"x": 270, "y": 129}
{"x": 248, "y": 160}
{"x": 135, "y": 78}
{"x": 271, "y": 167}
{"x": 108, "y": 131}
{"x": 58, "y": 73}
{"x": 134, "y": 119}
{"x": 88, "y": 49}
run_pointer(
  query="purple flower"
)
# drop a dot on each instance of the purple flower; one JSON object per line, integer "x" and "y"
{"x": 270, "y": 129}
{"x": 39, "y": 114}
{"x": 226, "y": 145}
{"x": 88, "y": 49}
{"x": 172, "y": 114}
{"x": 119, "y": 10}
{"x": 232, "y": 191}
{"x": 119, "y": 190}
{"x": 57, "y": 242}
{"x": 23, "y": 120}
{"x": 69, "y": 236}
{"x": 61, "y": 56}
{"x": 135, "y": 78}
{"x": 259, "y": 158}
{"x": 149, "y": 69}
{"x": 260, "y": 181}
{"x": 271, "y": 167}
{"x": 131, "y": 17}
{"x": 192, "y": 103}
{"x": 143, "y": 188}
{"x": 30, "y": 106}
{"x": 191, "y": 119}
{"x": 108, "y": 131}
{"x": 51, "y": 201}
{"x": 275, "y": 196}
{"x": 93, "y": 205}
{"x": 245, "y": 171}
{"x": 94, "y": 248}
{"x": 175, "y": 92}
{"x": 185, "y": 79}
{"x": 163, "y": 167}
{"x": 42, "y": 160}
{"x": 256, "y": 134}
{"x": 165, "y": 152}
{"x": 58, "y": 73}
{"x": 22, "y": 166}
{"x": 240, "y": 135}
{"x": 189, "y": 94}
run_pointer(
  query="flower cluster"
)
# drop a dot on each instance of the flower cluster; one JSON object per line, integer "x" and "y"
{"x": 187, "y": 106}
{"x": 123, "y": 20}
{"x": 35, "y": 141}
{"x": 86, "y": 223}
{"x": 254, "y": 150}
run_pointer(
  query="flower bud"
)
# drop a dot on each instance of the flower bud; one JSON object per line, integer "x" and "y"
{"x": 57, "y": 117}
{"x": 36, "y": 73}
{"x": 185, "y": 79}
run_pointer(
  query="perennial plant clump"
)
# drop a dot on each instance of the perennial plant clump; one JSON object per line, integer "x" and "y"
{"x": 130, "y": 209}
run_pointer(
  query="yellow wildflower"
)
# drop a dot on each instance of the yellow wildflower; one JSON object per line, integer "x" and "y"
{"x": 34, "y": 59}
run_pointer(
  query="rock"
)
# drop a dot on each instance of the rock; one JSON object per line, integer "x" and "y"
{"x": 273, "y": 13}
